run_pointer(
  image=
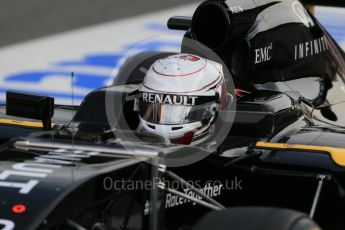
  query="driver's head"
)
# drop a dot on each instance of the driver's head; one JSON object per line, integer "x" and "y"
{"x": 180, "y": 97}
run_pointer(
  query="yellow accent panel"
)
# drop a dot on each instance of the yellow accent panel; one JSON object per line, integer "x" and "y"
{"x": 337, "y": 154}
{"x": 31, "y": 124}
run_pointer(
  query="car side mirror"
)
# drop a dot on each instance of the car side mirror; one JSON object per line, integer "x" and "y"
{"x": 30, "y": 106}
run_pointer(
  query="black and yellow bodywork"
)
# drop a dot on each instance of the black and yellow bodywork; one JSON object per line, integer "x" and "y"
{"x": 282, "y": 145}
{"x": 12, "y": 126}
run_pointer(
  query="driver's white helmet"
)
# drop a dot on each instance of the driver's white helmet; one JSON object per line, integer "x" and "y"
{"x": 180, "y": 97}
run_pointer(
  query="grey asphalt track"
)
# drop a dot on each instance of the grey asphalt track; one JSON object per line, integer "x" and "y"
{"x": 21, "y": 20}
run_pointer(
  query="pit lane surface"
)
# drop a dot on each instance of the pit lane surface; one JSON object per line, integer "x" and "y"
{"x": 93, "y": 50}
{"x": 23, "y": 20}
{"x": 93, "y": 53}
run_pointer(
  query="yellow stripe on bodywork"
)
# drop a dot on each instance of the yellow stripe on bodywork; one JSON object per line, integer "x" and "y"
{"x": 30, "y": 124}
{"x": 337, "y": 154}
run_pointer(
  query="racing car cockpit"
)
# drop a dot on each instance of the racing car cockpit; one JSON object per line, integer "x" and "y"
{"x": 275, "y": 60}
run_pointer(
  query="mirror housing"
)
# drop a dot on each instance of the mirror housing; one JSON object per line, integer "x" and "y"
{"x": 30, "y": 106}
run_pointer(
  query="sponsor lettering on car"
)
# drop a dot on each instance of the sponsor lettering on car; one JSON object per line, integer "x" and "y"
{"x": 169, "y": 99}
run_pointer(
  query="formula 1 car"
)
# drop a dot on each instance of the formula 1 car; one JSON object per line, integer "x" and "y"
{"x": 280, "y": 166}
